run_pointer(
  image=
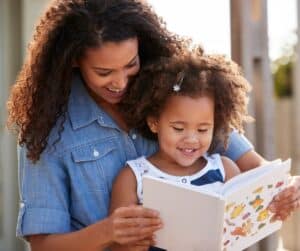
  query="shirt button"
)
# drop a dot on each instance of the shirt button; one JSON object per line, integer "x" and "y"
{"x": 22, "y": 205}
{"x": 183, "y": 180}
{"x": 133, "y": 136}
{"x": 96, "y": 153}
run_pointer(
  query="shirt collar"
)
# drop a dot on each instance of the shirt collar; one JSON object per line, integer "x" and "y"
{"x": 83, "y": 110}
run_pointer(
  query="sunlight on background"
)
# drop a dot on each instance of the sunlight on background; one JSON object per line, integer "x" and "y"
{"x": 282, "y": 22}
{"x": 208, "y": 22}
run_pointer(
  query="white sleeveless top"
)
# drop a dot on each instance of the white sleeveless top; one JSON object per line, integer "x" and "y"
{"x": 213, "y": 172}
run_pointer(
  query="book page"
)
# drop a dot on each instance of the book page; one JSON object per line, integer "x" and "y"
{"x": 247, "y": 219}
{"x": 246, "y": 177}
{"x": 192, "y": 220}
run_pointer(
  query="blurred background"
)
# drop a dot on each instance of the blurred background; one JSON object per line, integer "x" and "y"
{"x": 260, "y": 35}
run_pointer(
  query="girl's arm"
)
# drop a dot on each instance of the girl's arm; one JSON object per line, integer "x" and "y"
{"x": 124, "y": 226}
{"x": 230, "y": 168}
{"x": 124, "y": 194}
{"x": 124, "y": 190}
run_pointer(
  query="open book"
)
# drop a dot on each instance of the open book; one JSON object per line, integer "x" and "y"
{"x": 232, "y": 217}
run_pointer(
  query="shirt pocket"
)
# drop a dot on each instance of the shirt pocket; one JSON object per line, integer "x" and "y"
{"x": 90, "y": 159}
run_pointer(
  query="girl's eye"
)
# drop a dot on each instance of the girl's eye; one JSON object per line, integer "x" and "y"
{"x": 202, "y": 130}
{"x": 178, "y": 129}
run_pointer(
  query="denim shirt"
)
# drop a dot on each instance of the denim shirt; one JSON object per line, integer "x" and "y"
{"x": 69, "y": 187}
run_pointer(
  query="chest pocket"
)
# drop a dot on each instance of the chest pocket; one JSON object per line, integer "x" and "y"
{"x": 99, "y": 163}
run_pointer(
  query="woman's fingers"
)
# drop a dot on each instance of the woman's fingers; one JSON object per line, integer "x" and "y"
{"x": 146, "y": 242}
{"x": 286, "y": 203}
{"x": 134, "y": 223}
{"x": 291, "y": 192}
{"x": 139, "y": 232}
{"x": 142, "y": 245}
{"x": 132, "y": 236}
{"x": 287, "y": 200}
{"x": 136, "y": 211}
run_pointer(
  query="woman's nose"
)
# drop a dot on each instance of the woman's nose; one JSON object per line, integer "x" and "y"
{"x": 121, "y": 80}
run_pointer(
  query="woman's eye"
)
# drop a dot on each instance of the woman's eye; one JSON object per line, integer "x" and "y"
{"x": 202, "y": 130}
{"x": 178, "y": 129}
{"x": 103, "y": 74}
{"x": 132, "y": 64}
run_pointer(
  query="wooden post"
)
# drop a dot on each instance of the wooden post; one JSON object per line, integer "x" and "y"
{"x": 296, "y": 126}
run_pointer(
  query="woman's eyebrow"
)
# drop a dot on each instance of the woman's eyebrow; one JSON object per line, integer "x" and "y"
{"x": 108, "y": 69}
{"x": 132, "y": 60}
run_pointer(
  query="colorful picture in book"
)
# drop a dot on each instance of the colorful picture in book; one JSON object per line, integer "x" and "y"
{"x": 246, "y": 216}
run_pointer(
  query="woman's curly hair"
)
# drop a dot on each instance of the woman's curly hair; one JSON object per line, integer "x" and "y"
{"x": 67, "y": 28}
{"x": 212, "y": 75}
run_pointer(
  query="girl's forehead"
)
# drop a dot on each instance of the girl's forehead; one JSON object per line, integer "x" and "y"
{"x": 186, "y": 104}
{"x": 187, "y": 109}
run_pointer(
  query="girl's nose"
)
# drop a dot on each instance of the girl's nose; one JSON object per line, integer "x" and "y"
{"x": 191, "y": 138}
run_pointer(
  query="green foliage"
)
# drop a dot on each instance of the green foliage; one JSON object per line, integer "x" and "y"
{"x": 283, "y": 73}
{"x": 283, "y": 80}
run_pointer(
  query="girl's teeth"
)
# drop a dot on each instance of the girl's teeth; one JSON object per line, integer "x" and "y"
{"x": 188, "y": 150}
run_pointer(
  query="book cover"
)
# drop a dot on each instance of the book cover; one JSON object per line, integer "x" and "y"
{"x": 230, "y": 216}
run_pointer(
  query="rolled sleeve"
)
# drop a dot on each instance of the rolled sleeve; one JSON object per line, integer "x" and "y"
{"x": 41, "y": 220}
{"x": 238, "y": 145}
{"x": 44, "y": 198}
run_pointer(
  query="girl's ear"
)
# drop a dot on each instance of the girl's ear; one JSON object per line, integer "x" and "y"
{"x": 152, "y": 123}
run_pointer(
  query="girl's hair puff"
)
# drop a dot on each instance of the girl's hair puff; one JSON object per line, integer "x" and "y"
{"x": 212, "y": 75}
{"x": 67, "y": 28}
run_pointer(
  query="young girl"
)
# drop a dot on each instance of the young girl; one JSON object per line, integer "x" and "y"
{"x": 190, "y": 104}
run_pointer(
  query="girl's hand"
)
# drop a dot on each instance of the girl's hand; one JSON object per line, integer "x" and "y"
{"x": 129, "y": 225}
{"x": 287, "y": 201}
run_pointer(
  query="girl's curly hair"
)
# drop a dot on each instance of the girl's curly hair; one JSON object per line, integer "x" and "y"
{"x": 68, "y": 27}
{"x": 212, "y": 75}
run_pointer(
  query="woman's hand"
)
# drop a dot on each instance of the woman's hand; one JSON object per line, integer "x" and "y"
{"x": 142, "y": 245}
{"x": 134, "y": 225}
{"x": 288, "y": 200}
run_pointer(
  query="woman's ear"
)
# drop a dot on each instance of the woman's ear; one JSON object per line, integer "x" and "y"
{"x": 152, "y": 123}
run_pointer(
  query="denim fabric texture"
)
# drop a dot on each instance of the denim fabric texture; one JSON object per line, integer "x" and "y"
{"x": 69, "y": 187}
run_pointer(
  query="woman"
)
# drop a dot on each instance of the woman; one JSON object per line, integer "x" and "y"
{"x": 73, "y": 138}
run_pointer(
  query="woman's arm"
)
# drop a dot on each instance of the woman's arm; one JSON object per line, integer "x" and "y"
{"x": 95, "y": 237}
{"x": 124, "y": 226}
{"x": 44, "y": 216}
{"x": 241, "y": 151}
{"x": 249, "y": 160}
